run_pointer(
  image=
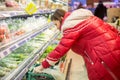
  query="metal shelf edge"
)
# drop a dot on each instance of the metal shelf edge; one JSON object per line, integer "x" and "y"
{"x": 27, "y": 15}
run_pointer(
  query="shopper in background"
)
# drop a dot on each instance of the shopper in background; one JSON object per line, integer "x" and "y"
{"x": 100, "y": 11}
{"x": 80, "y": 6}
{"x": 96, "y": 41}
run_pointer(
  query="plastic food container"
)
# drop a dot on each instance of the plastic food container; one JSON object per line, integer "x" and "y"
{"x": 4, "y": 32}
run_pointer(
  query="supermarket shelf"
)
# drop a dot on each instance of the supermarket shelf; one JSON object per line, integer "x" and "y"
{"x": 24, "y": 67}
{"x": 23, "y": 72}
{"x": 13, "y": 45}
{"x": 61, "y": 2}
{"x": 25, "y": 15}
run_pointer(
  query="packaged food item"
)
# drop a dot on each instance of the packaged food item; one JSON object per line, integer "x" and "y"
{"x": 11, "y": 3}
{"x": 4, "y": 32}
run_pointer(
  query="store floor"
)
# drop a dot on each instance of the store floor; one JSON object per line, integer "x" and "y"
{"x": 77, "y": 70}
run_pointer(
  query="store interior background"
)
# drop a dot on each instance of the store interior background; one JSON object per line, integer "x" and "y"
{"x": 70, "y": 5}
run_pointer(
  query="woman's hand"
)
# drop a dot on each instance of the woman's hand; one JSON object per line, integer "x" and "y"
{"x": 38, "y": 69}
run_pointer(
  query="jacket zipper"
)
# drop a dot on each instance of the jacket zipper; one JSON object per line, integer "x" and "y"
{"x": 109, "y": 71}
{"x": 88, "y": 57}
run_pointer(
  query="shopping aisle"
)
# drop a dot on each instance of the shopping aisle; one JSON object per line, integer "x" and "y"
{"x": 77, "y": 70}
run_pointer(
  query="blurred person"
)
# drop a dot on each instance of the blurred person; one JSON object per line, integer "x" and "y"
{"x": 100, "y": 11}
{"x": 87, "y": 35}
{"x": 80, "y": 6}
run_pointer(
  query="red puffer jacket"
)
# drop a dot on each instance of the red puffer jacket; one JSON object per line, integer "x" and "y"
{"x": 97, "y": 42}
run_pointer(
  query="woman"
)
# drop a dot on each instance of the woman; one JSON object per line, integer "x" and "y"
{"x": 96, "y": 41}
{"x": 101, "y": 10}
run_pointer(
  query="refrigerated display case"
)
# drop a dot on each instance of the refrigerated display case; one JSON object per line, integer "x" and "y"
{"x": 21, "y": 52}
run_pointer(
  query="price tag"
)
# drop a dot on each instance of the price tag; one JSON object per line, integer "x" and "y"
{"x": 31, "y": 8}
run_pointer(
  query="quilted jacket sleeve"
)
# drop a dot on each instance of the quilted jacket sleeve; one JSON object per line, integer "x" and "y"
{"x": 68, "y": 39}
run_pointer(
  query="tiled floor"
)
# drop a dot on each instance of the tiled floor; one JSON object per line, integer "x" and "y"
{"x": 78, "y": 69}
